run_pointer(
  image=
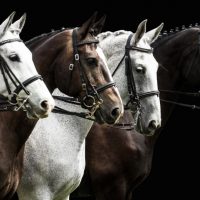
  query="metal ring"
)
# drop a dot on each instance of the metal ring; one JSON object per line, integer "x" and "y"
{"x": 88, "y": 98}
{"x": 76, "y": 56}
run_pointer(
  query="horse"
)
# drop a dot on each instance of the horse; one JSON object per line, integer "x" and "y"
{"x": 70, "y": 60}
{"x": 23, "y": 96}
{"x": 119, "y": 160}
{"x": 60, "y": 141}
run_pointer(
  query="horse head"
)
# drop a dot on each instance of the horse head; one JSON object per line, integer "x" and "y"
{"x": 135, "y": 73}
{"x": 23, "y": 87}
{"x": 89, "y": 77}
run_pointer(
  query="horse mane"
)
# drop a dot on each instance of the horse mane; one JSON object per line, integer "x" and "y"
{"x": 167, "y": 35}
{"x": 178, "y": 29}
{"x": 189, "y": 50}
{"x": 106, "y": 34}
{"x": 49, "y": 34}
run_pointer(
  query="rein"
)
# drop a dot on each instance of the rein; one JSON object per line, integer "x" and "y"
{"x": 10, "y": 103}
{"x": 190, "y": 94}
{"x": 92, "y": 99}
{"x": 66, "y": 112}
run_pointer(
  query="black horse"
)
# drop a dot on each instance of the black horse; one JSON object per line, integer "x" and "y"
{"x": 118, "y": 161}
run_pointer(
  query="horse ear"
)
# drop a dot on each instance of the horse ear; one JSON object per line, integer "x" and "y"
{"x": 141, "y": 29}
{"x": 87, "y": 26}
{"x": 98, "y": 26}
{"x": 153, "y": 34}
{"x": 6, "y": 24}
{"x": 19, "y": 24}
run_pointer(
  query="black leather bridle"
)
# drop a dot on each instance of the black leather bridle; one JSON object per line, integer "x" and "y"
{"x": 92, "y": 99}
{"x": 134, "y": 96}
{"x": 11, "y": 103}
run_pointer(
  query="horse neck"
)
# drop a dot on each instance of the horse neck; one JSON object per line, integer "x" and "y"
{"x": 15, "y": 129}
{"x": 77, "y": 126}
{"x": 170, "y": 53}
{"x": 45, "y": 52}
{"x": 67, "y": 131}
{"x": 169, "y": 50}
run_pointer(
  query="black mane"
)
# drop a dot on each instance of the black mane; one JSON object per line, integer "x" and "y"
{"x": 177, "y": 29}
{"x": 167, "y": 36}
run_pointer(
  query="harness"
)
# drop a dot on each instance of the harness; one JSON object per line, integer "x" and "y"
{"x": 134, "y": 95}
{"x": 11, "y": 103}
{"x": 92, "y": 99}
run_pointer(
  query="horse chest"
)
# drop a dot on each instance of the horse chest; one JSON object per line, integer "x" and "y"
{"x": 55, "y": 156}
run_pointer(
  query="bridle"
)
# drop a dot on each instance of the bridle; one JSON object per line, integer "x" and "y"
{"x": 134, "y": 96}
{"x": 92, "y": 99}
{"x": 11, "y": 103}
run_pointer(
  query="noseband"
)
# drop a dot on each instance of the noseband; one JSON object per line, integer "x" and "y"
{"x": 10, "y": 103}
{"x": 134, "y": 96}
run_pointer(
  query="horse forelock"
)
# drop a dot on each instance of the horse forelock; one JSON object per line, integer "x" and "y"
{"x": 8, "y": 35}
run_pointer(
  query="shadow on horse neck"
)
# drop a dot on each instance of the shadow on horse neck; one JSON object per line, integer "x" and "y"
{"x": 118, "y": 161}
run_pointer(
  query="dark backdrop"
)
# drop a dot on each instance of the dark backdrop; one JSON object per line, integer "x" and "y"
{"x": 175, "y": 169}
{"x": 42, "y": 15}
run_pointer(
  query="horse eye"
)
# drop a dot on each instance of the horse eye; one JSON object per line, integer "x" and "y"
{"x": 91, "y": 61}
{"x": 14, "y": 57}
{"x": 140, "y": 70}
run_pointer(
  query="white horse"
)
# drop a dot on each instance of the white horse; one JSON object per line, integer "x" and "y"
{"x": 21, "y": 85}
{"x": 55, "y": 152}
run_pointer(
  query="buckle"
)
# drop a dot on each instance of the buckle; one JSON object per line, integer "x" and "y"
{"x": 71, "y": 67}
{"x": 76, "y": 56}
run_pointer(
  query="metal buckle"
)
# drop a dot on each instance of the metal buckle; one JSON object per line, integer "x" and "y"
{"x": 22, "y": 101}
{"x": 84, "y": 86}
{"x": 76, "y": 56}
{"x": 71, "y": 67}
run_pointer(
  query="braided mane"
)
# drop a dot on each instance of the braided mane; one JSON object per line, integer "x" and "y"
{"x": 105, "y": 35}
{"x": 177, "y": 29}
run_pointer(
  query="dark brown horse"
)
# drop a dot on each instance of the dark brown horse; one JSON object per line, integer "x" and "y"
{"x": 67, "y": 60}
{"x": 117, "y": 160}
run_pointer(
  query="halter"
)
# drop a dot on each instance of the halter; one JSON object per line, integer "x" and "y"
{"x": 134, "y": 96}
{"x": 92, "y": 99}
{"x": 10, "y": 103}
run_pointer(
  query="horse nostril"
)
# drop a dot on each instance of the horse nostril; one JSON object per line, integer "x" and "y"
{"x": 153, "y": 125}
{"x": 44, "y": 104}
{"x": 115, "y": 112}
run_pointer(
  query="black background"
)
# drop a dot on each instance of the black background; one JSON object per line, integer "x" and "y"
{"x": 175, "y": 169}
